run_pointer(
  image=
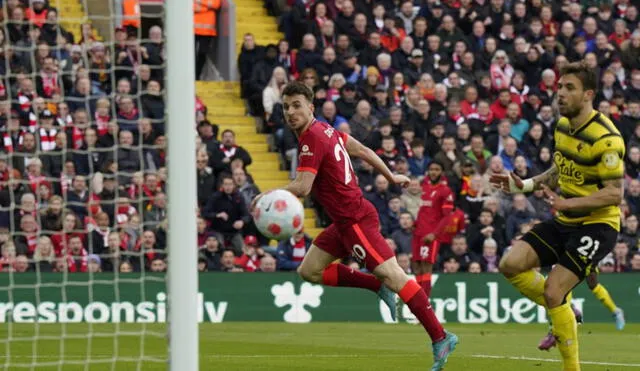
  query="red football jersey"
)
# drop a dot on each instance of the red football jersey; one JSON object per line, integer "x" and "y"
{"x": 435, "y": 198}
{"x": 450, "y": 226}
{"x": 321, "y": 150}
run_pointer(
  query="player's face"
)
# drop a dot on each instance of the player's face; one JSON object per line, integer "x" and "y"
{"x": 435, "y": 171}
{"x": 572, "y": 96}
{"x": 298, "y": 111}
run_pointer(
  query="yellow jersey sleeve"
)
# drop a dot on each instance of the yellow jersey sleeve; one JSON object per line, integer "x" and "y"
{"x": 610, "y": 152}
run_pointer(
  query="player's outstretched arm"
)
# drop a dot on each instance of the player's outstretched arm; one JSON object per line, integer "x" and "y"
{"x": 511, "y": 183}
{"x": 610, "y": 195}
{"x": 357, "y": 149}
{"x": 300, "y": 186}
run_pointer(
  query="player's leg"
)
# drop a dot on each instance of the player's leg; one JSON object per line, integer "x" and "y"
{"x": 559, "y": 283}
{"x": 444, "y": 343}
{"x": 422, "y": 256}
{"x": 536, "y": 248}
{"x": 584, "y": 247}
{"x": 369, "y": 246}
{"x": 602, "y": 294}
{"x": 517, "y": 267}
{"x": 317, "y": 268}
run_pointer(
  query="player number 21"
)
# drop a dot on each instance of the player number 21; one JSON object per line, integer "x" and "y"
{"x": 588, "y": 243}
{"x": 341, "y": 153}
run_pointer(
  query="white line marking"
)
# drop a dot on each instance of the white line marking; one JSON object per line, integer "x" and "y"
{"x": 98, "y": 358}
{"x": 520, "y": 358}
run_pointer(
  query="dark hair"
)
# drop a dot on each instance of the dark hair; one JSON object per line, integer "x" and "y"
{"x": 460, "y": 236}
{"x": 436, "y": 162}
{"x": 417, "y": 143}
{"x": 228, "y": 131}
{"x": 298, "y": 88}
{"x": 587, "y": 76}
{"x": 388, "y": 137}
{"x": 485, "y": 210}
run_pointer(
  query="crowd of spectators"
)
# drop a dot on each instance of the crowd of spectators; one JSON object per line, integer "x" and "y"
{"x": 82, "y": 162}
{"x": 468, "y": 83}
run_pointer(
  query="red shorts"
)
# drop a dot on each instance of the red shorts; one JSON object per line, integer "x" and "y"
{"x": 422, "y": 251}
{"x": 361, "y": 239}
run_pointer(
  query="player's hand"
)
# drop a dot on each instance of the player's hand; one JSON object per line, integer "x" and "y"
{"x": 429, "y": 238}
{"x": 555, "y": 201}
{"x": 254, "y": 202}
{"x": 401, "y": 180}
{"x": 504, "y": 182}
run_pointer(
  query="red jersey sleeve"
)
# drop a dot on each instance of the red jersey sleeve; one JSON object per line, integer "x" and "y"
{"x": 344, "y": 137}
{"x": 311, "y": 152}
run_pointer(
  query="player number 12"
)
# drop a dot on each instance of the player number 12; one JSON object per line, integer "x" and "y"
{"x": 341, "y": 153}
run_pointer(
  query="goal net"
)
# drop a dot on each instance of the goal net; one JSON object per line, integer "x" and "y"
{"x": 83, "y": 217}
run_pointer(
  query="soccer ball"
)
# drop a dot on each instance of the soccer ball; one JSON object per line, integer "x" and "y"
{"x": 279, "y": 214}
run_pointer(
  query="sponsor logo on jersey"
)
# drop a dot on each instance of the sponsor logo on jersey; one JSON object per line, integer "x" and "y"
{"x": 329, "y": 132}
{"x": 305, "y": 151}
{"x": 567, "y": 169}
{"x": 611, "y": 160}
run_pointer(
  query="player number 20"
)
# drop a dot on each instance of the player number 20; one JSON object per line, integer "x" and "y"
{"x": 340, "y": 154}
{"x": 588, "y": 247}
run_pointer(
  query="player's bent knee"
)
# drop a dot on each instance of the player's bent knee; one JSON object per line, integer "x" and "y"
{"x": 309, "y": 275}
{"x": 510, "y": 266}
{"x": 553, "y": 294}
{"x": 519, "y": 259}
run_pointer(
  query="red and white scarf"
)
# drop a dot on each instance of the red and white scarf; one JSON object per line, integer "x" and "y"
{"x": 35, "y": 181}
{"x": 49, "y": 83}
{"x": 24, "y": 100}
{"x": 65, "y": 121}
{"x": 33, "y": 122}
{"x": 299, "y": 250}
{"x": 228, "y": 152}
{"x": 102, "y": 123}
{"x": 32, "y": 242}
{"x": 8, "y": 141}
{"x": 124, "y": 212}
{"x": 48, "y": 139}
{"x": 71, "y": 262}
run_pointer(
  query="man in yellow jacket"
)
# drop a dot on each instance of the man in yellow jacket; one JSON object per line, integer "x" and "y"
{"x": 204, "y": 27}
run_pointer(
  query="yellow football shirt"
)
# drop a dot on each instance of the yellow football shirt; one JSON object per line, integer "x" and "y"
{"x": 585, "y": 157}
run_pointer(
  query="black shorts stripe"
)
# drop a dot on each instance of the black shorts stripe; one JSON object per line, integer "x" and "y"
{"x": 534, "y": 234}
{"x": 573, "y": 260}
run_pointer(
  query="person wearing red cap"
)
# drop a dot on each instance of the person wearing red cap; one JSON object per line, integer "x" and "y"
{"x": 252, "y": 253}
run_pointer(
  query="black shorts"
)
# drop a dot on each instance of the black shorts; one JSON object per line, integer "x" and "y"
{"x": 578, "y": 248}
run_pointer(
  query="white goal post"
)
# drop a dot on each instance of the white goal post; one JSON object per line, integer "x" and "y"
{"x": 182, "y": 280}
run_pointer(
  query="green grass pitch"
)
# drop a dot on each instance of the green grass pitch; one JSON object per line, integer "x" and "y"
{"x": 318, "y": 346}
